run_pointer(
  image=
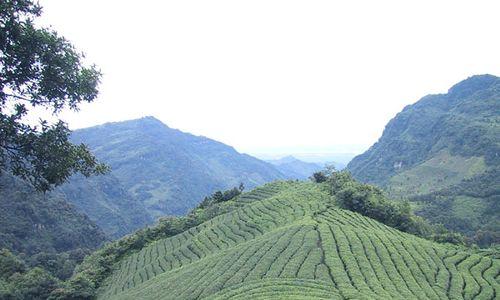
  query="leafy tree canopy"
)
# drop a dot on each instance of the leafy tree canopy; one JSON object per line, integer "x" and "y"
{"x": 39, "y": 68}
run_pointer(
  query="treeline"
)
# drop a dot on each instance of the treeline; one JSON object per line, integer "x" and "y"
{"x": 37, "y": 276}
{"x": 370, "y": 201}
{"x": 221, "y": 196}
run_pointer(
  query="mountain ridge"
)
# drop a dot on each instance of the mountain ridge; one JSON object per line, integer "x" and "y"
{"x": 435, "y": 145}
{"x": 158, "y": 170}
{"x": 295, "y": 168}
{"x": 401, "y": 132}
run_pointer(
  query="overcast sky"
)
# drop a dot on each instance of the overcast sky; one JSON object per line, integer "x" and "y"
{"x": 275, "y": 76}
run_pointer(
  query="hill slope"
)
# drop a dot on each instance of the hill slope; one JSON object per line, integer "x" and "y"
{"x": 156, "y": 171}
{"x": 286, "y": 240}
{"x": 438, "y": 144}
{"x": 32, "y": 222}
{"x": 107, "y": 202}
{"x": 40, "y": 234}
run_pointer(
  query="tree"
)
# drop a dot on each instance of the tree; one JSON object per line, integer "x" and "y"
{"x": 319, "y": 177}
{"x": 40, "y": 69}
{"x": 35, "y": 284}
{"x": 10, "y": 264}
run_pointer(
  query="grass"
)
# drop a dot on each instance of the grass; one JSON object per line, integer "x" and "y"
{"x": 440, "y": 171}
{"x": 286, "y": 241}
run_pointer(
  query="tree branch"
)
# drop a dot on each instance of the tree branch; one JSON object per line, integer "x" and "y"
{"x": 18, "y": 97}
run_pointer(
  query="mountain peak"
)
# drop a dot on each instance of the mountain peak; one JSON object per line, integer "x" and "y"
{"x": 148, "y": 120}
{"x": 472, "y": 84}
{"x": 288, "y": 159}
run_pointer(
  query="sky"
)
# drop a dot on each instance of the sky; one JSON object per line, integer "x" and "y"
{"x": 275, "y": 76}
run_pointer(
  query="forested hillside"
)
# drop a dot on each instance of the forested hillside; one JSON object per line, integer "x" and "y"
{"x": 33, "y": 222}
{"x": 107, "y": 202}
{"x": 441, "y": 152}
{"x": 42, "y": 238}
{"x": 287, "y": 240}
{"x": 156, "y": 171}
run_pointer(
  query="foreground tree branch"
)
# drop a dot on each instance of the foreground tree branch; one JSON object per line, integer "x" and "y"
{"x": 38, "y": 68}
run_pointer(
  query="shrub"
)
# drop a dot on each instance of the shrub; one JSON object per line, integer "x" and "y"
{"x": 10, "y": 264}
{"x": 370, "y": 201}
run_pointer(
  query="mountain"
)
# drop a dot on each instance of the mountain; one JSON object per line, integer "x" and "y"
{"x": 286, "y": 240}
{"x": 107, "y": 202}
{"x": 294, "y": 168}
{"x": 434, "y": 148}
{"x": 338, "y": 160}
{"x": 156, "y": 171}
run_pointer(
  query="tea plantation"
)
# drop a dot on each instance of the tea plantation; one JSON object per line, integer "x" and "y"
{"x": 288, "y": 241}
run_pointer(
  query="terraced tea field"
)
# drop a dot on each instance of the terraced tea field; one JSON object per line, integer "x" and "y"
{"x": 286, "y": 241}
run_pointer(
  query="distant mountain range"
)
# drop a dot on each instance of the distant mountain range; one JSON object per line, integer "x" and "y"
{"x": 443, "y": 152}
{"x": 294, "y": 168}
{"x": 339, "y": 160}
{"x": 156, "y": 171}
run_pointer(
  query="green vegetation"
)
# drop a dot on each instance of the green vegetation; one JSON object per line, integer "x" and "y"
{"x": 438, "y": 152}
{"x": 98, "y": 266}
{"x": 432, "y": 175}
{"x": 37, "y": 277}
{"x": 283, "y": 240}
{"x": 42, "y": 239}
{"x": 107, "y": 203}
{"x": 471, "y": 207}
{"x": 221, "y": 196}
{"x": 370, "y": 201}
{"x": 40, "y": 69}
{"x": 33, "y": 223}
{"x": 20, "y": 281}
{"x": 156, "y": 171}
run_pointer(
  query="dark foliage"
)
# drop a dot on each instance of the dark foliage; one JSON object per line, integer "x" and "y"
{"x": 33, "y": 223}
{"x": 221, "y": 196}
{"x": 370, "y": 201}
{"x": 17, "y": 281}
{"x": 45, "y": 237}
{"x": 38, "y": 68}
{"x": 319, "y": 177}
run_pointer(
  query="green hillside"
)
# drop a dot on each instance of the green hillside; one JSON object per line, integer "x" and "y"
{"x": 42, "y": 238}
{"x": 32, "y": 223}
{"x": 432, "y": 147}
{"x": 156, "y": 171}
{"x": 289, "y": 240}
{"x": 107, "y": 202}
